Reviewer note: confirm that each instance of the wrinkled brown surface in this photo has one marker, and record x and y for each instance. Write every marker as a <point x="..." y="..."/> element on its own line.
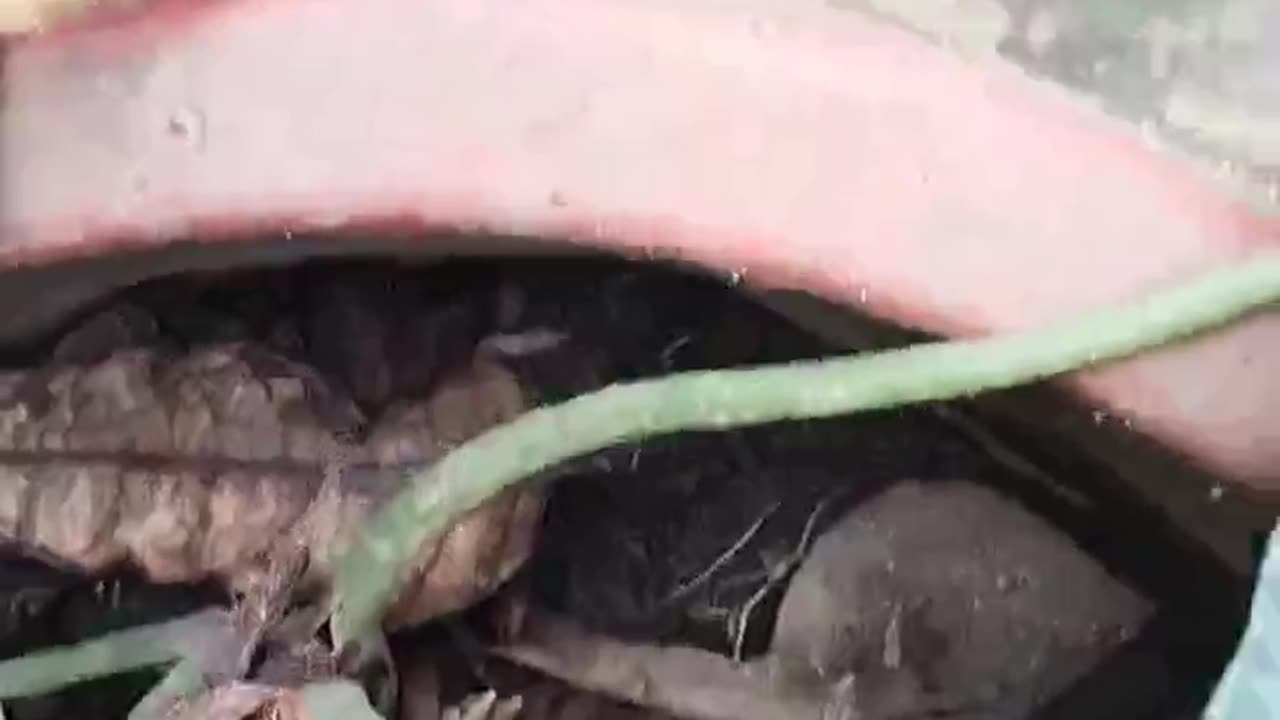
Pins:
<point x="200" y="465"/>
<point x="950" y="590"/>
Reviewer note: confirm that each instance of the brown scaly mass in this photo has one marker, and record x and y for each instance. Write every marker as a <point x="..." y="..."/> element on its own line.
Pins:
<point x="204" y="465"/>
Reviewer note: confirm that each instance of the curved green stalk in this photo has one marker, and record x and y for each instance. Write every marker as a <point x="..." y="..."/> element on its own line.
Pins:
<point x="367" y="575"/>
<point x="134" y="648"/>
<point x="184" y="681"/>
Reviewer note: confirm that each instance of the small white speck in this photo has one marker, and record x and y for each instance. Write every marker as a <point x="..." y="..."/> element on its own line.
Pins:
<point x="736" y="276"/>
<point x="862" y="294"/>
<point x="526" y="343"/>
<point x="1099" y="417"/>
<point x="1216" y="492"/>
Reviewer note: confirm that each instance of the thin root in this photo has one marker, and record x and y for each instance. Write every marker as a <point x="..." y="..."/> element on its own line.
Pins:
<point x="740" y="621"/>
<point x="685" y="589"/>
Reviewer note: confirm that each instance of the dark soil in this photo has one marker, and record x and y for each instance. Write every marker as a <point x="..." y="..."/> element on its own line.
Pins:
<point x="630" y="532"/>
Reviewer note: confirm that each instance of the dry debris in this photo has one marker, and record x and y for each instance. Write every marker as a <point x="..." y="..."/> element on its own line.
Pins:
<point x="205" y="465"/>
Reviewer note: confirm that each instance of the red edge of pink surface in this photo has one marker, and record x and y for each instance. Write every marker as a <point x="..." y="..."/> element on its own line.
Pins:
<point x="817" y="150"/>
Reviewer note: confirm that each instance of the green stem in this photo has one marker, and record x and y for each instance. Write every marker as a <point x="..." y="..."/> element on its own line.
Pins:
<point x="367" y="575"/>
<point x="122" y="651"/>
<point x="184" y="681"/>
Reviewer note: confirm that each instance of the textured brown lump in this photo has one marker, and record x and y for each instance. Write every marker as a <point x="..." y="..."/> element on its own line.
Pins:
<point x="197" y="466"/>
